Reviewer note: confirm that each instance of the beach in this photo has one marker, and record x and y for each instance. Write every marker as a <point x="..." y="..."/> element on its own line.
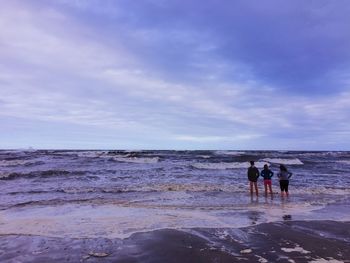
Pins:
<point x="171" y="206"/>
<point x="297" y="241"/>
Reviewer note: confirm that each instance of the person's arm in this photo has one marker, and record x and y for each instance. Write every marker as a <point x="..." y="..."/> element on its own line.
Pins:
<point x="271" y="173"/>
<point x="289" y="175"/>
<point x="257" y="173"/>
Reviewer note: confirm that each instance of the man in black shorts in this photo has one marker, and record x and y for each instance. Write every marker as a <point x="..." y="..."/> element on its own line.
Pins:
<point x="253" y="174"/>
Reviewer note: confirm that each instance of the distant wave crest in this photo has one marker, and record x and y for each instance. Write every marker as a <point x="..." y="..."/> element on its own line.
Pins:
<point x="5" y="163"/>
<point x="232" y="153"/>
<point x="137" y="159"/>
<point x="225" y="166"/>
<point x="294" y="161"/>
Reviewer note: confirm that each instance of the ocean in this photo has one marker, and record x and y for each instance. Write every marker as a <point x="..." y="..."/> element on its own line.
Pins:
<point x="114" y="194"/>
<point x="147" y="190"/>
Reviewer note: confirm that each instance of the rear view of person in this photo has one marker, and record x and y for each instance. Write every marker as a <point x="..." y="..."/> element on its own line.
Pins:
<point x="266" y="173"/>
<point x="253" y="174"/>
<point x="284" y="176"/>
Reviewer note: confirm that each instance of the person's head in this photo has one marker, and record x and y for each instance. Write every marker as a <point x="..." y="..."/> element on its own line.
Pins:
<point x="266" y="167"/>
<point x="283" y="168"/>
<point x="252" y="163"/>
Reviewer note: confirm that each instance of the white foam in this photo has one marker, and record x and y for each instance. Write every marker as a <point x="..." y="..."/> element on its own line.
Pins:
<point x="261" y="259"/>
<point x="225" y="166"/>
<point x="297" y="248"/>
<point x="316" y="190"/>
<point x="15" y="162"/>
<point x="343" y="161"/>
<point x="233" y="153"/>
<point x="128" y="157"/>
<point x="199" y="187"/>
<point x="4" y="175"/>
<point x="137" y="159"/>
<point x="112" y="221"/>
<point x="328" y="260"/>
<point x="204" y="156"/>
<point x="89" y="154"/>
<point x="159" y="211"/>
<point x="294" y="161"/>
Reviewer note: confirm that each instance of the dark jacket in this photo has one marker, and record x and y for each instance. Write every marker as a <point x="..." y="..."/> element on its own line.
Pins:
<point x="253" y="174"/>
<point x="266" y="174"/>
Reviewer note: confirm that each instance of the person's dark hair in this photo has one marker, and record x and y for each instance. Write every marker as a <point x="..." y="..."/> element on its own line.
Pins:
<point x="251" y="162"/>
<point x="266" y="166"/>
<point x="283" y="168"/>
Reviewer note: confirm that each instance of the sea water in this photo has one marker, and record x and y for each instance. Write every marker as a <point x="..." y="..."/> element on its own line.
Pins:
<point x="118" y="193"/>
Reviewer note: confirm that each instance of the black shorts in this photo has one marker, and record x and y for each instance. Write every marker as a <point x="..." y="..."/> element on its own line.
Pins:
<point x="284" y="185"/>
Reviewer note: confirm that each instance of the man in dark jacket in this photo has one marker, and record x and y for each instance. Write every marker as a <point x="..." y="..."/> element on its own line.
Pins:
<point x="253" y="174"/>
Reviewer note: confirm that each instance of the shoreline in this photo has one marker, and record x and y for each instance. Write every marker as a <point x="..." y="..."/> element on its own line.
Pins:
<point x="283" y="241"/>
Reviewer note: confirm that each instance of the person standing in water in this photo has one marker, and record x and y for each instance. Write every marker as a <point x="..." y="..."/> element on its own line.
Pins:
<point x="284" y="176"/>
<point x="266" y="173"/>
<point x="253" y="174"/>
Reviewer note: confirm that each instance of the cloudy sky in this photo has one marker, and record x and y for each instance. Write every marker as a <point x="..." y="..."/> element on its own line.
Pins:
<point x="182" y="74"/>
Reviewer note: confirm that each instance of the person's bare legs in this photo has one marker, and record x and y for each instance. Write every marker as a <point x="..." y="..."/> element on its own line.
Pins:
<point x="265" y="186"/>
<point x="270" y="187"/>
<point x="251" y="187"/>
<point x="256" y="188"/>
<point x="287" y="194"/>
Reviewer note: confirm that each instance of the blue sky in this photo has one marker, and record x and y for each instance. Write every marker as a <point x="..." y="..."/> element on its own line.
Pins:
<point x="157" y="74"/>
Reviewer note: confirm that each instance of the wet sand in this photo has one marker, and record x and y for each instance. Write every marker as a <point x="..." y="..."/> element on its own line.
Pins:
<point x="287" y="241"/>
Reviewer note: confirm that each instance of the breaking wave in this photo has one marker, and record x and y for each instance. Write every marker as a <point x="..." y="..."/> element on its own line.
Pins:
<point x="344" y="162"/>
<point x="145" y="160"/>
<point x="42" y="174"/>
<point x="232" y="153"/>
<point x="225" y="166"/>
<point x="5" y="163"/>
<point x="294" y="161"/>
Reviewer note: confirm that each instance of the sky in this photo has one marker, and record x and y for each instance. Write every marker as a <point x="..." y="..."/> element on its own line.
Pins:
<point x="181" y="74"/>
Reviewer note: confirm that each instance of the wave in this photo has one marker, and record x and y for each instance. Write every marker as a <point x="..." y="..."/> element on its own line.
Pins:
<point x="199" y="187"/>
<point x="120" y="156"/>
<point x="237" y="188"/>
<point x="322" y="154"/>
<point x="225" y="166"/>
<point x="55" y="201"/>
<point x="159" y="188"/>
<point x="320" y="190"/>
<point x="91" y="154"/>
<point x="5" y="163"/>
<point x="204" y="156"/>
<point x="42" y="174"/>
<point x="83" y="154"/>
<point x="343" y="162"/>
<point x="232" y="153"/>
<point x="294" y="161"/>
<point x="32" y="192"/>
<point x="144" y="160"/>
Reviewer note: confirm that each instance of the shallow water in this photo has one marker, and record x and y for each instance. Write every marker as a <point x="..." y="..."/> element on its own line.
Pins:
<point x="117" y="193"/>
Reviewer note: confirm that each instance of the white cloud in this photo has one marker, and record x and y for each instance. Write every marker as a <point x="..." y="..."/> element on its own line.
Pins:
<point x="49" y="62"/>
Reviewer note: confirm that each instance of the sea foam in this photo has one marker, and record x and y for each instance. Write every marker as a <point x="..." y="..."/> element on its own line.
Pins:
<point x="294" y="161"/>
<point x="145" y="160"/>
<point x="225" y="166"/>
